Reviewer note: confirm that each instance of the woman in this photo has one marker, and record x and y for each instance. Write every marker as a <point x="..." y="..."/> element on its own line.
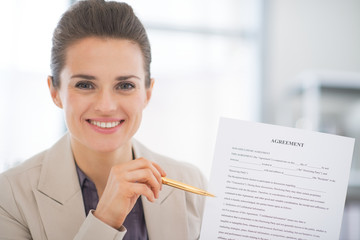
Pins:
<point x="97" y="182"/>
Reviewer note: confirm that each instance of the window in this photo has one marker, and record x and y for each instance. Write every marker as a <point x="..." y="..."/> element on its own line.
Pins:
<point x="205" y="64"/>
<point x="29" y="121"/>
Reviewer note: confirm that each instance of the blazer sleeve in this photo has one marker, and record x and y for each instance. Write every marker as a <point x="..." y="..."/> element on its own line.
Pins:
<point x="93" y="229"/>
<point x="12" y="225"/>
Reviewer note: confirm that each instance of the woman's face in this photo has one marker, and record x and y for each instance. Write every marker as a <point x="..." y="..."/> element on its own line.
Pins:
<point x="102" y="92"/>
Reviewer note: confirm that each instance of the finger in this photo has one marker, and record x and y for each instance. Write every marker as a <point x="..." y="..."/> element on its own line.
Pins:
<point x="143" y="189"/>
<point x="162" y="174"/>
<point x="131" y="169"/>
<point x="157" y="170"/>
<point x="140" y="163"/>
<point x="145" y="176"/>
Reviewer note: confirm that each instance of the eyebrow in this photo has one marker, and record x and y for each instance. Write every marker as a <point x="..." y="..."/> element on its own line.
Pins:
<point x="84" y="76"/>
<point x="90" y="77"/>
<point x="126" y="77"/>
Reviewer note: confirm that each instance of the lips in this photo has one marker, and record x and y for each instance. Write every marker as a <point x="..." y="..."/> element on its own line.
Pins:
<point x="105" y="124"/>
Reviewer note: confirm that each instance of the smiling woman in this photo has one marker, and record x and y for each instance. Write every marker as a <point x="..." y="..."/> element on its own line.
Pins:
<point x="108" y="87"/>
<point x="97" y="182"/>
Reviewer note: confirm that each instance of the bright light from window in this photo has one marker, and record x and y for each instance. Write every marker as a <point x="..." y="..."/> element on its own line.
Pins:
<point x="29" y="122"/>
<point x="205" y="65"/>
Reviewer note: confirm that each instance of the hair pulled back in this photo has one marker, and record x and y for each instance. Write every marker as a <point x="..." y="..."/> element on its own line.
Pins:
<point x="97" y="18"/>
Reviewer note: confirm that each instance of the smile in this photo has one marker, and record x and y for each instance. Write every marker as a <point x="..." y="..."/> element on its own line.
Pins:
<point x="105" y="124"/>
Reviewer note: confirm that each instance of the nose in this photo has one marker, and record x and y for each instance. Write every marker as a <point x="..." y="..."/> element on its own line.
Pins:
<point x="105" y="102"/>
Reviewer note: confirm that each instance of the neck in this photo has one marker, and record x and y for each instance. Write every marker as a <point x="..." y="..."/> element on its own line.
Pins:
<point x="97" y="165"/>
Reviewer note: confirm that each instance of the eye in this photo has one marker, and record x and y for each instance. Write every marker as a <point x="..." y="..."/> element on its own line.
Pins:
<point x="85" y="85"/>
<point x="125" y="86"/>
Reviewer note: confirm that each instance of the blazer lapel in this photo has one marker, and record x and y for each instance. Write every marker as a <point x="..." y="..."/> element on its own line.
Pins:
<point x="58" y="194"/>
<point x="165" y="218"/>
<point x="60" y="202"/>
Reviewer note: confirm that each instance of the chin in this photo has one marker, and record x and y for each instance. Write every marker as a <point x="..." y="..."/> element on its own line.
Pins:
<point x="103" y="148"/>
<point x="107" y="147"/>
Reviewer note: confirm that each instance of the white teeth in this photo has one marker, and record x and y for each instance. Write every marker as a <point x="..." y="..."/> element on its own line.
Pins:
<point x="104" y="124"/>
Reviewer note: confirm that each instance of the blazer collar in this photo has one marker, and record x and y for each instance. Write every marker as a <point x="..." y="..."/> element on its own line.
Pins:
<point x="58" y="179"/>
<point x="58" y="194"/>
<point x="59" y="197"/>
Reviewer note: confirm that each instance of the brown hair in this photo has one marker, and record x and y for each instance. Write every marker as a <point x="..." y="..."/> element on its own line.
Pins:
<point x="97" y="18"/>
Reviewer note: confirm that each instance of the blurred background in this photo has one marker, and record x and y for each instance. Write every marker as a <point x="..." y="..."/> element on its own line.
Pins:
<point x="291" y="63"/>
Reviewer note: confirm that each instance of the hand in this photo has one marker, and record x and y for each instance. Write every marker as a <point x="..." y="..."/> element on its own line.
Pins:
<point x="126" y="182"/>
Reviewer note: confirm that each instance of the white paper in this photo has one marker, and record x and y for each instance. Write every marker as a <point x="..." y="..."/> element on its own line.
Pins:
<point x="275" y="182"/>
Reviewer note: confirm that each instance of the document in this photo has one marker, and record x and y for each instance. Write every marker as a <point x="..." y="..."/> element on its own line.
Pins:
<point x="275" y="182"/>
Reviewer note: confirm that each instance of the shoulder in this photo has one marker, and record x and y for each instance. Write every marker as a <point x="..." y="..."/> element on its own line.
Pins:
<point x="19" y="174"/>
<point x="33" y="165"/>
<point x="29" y="171"/>
<point x="20" y="179"/>
<point x="16" y="187"/>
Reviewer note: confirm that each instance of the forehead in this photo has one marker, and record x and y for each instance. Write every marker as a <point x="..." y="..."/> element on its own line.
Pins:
<point x="93" y="53"/>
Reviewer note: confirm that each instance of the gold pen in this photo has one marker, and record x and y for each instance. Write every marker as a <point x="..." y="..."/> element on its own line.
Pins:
<point x="185" y="187"/>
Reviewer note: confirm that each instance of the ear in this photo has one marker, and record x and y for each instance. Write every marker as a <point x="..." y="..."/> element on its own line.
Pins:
<point x="149" y="91"/>
<point x="54" y="92"/>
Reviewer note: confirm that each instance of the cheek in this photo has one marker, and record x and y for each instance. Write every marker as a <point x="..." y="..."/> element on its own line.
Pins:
<point x="134" y="107"/>
<point x="74" y="105"/>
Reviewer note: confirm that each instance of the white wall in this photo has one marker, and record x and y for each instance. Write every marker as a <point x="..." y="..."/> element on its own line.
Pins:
<point x="307" y="35"/>
<point x="29" y="121"/>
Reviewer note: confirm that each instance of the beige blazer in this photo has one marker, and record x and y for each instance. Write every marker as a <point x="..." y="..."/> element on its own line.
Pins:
<point x="41" y="199"/>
